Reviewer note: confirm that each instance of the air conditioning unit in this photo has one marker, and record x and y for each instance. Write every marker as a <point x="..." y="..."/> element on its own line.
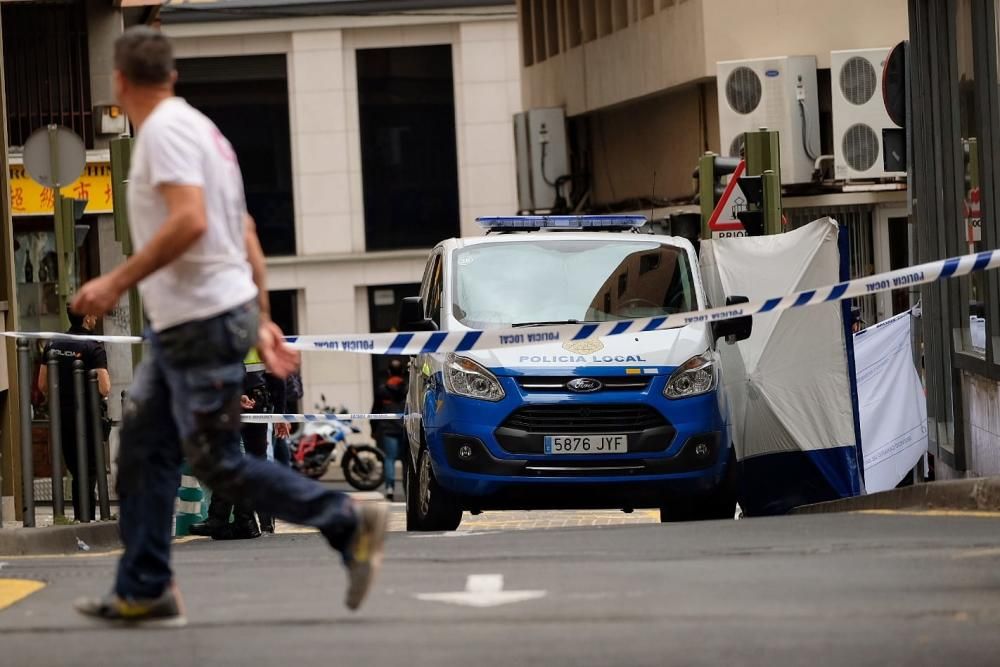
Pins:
<point x="859" y="114"/>
<point x="542" y="158"/>
<point x="774" y="93"/>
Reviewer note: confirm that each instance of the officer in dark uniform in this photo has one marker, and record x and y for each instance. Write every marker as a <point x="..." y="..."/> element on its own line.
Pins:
<point x="94" y="357"/>
<point x="256" y="399"/>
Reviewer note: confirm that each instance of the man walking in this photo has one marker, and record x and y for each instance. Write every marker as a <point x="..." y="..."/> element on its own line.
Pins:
<point x="201" y="272"/>
<point x="94" y="357"/>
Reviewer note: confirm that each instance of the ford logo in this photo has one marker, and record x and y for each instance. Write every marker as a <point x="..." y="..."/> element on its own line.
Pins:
<point x="584" y="385"/>
<point x="771" y="73"/>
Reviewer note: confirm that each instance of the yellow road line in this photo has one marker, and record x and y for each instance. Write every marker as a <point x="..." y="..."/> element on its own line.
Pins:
<point x="958" y="513"/>
<point x="15" y="590"/>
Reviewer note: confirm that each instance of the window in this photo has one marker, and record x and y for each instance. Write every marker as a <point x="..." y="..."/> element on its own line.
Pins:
<point x="383" y="316"/>
<point x="971" y="329"/>
<point x="47" y="68"/>
<point x="247" y="97"/>
<point x="574" y="30"/>
<point x="409" y="157"/>
<point x="501" y="284"/>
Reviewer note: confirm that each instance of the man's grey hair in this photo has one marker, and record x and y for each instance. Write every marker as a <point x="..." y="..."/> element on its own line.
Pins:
<point x="144" y="56"/>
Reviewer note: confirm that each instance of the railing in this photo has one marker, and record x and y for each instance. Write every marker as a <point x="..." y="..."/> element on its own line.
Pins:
<point x="86" y="397"/>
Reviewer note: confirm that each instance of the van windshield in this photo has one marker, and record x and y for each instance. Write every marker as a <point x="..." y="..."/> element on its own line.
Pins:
<point x="502" y="284"/>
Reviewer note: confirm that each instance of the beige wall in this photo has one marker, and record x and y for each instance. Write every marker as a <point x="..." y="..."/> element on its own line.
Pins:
<point x="652" y="54"/>
<point x="665" y="134"/>
<point x="682" y="40"/>
<point x="799" y="27"/>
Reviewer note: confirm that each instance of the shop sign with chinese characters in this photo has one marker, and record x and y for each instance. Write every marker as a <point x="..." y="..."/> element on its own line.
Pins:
<point x="29" y="198"/>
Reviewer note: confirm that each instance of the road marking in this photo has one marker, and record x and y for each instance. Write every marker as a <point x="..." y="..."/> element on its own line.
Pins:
<point x="466" y="533"/>
<point x="482" y="590"/>
<point x="15" y="590"/>
<point x="968" y="513"/>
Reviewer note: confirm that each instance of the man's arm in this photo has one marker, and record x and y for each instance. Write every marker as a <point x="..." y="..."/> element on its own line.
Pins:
<point x="185" y="224"/>
<point x="103" y="382"/>
<point x="255" y="255"/>
<point x="43" y="379"/>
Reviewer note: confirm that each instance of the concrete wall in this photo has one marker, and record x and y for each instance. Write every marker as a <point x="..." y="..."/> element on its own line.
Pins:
<point x="981" y="397"/>
<point x="799" y="27"/>
<point x="104" y="25"/>
<point x="665" y="134"/>
<point x="639" y="83"/>
<point x="332" y="270"/>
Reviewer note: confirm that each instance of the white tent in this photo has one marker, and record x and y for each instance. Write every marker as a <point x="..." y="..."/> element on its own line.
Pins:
<point x="789" y="384"/>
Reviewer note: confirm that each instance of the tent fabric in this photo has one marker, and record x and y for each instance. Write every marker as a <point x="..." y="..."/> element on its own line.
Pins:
<point x="789" y="385"/>
<point x="892" y="403"/>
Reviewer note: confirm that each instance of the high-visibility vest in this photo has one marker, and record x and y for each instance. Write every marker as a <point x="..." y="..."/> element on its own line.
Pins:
<point x="253" y="363"/>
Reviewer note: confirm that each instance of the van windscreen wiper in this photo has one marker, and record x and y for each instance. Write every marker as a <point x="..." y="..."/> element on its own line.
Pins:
<point x="548" y="324"/>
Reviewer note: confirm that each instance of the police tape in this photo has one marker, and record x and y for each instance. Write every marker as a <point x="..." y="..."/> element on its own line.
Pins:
<point x="277" y="418"/>
<point x="411" y="343"/>
<point x="430" y="342"/>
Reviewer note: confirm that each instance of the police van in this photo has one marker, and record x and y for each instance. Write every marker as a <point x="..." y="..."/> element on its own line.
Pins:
<point x="625" y="421"/>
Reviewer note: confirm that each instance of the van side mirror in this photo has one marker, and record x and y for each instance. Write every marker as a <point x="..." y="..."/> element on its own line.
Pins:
<point x="412" y="316"/>
<point x="736" y="329"/>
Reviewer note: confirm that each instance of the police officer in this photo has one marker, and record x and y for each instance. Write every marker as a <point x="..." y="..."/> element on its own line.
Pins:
<point x="94" y="357"/>
<point x="256" y="399"/>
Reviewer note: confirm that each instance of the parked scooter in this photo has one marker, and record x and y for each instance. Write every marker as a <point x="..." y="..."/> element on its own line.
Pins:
<point x="320" y="443"/>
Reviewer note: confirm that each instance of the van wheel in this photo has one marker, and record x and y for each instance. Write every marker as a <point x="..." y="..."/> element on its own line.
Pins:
<point x="718" y="504"/>
<point x="429" y="507"/>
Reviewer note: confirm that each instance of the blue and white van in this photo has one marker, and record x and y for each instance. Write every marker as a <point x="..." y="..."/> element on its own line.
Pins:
<point x="622" y="421"/>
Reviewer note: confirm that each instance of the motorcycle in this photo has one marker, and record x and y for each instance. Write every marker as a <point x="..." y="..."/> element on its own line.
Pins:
<point x="320" y="443"/>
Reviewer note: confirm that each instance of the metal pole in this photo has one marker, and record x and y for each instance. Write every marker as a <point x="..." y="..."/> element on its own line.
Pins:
<point x="63" y="244"/>
<point x="55" y="436"/>
<point x="27" y="456"/>
<point x="101" y="464"/>
<point x="82" y="481"/>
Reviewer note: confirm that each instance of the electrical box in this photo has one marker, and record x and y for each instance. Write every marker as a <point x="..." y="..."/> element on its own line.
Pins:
<point x="110" y="120"/>
<point x="860" y="116"/>
<point x="542" y="159"/>
<point x="778" y="94"/>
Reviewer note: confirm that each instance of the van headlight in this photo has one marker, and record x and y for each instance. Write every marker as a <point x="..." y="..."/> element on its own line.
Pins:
<point x="464" y="377"/>
<point x="695" y="376"/>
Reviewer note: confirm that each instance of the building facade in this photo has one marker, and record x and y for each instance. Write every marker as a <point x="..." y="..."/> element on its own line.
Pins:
<point x="956" y="199"/>
<point x="367" y="133"/>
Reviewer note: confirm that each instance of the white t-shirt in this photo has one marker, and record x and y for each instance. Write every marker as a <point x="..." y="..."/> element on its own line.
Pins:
<point x="178" y="145"/>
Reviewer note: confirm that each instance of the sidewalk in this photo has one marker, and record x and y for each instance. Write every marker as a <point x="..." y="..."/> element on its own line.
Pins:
<point x="981" y="494"/>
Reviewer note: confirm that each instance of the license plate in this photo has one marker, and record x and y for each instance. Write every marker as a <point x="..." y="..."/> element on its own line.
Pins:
<point x="586" y="444"/>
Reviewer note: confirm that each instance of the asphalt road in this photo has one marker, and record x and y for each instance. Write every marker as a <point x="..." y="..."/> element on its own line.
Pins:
<point x="807" y="590"/>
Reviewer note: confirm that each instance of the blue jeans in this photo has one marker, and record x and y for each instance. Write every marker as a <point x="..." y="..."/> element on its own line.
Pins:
<point x="186" y="397"/>
<point x="389" y="444"/>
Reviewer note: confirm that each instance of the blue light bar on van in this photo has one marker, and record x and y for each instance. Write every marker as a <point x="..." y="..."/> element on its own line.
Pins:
<point x="514" y="222"/>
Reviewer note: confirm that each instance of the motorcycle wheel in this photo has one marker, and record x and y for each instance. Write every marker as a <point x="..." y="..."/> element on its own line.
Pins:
<point x="364" y="467"/>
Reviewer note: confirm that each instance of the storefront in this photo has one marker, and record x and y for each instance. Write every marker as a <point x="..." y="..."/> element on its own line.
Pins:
<point x="35" y="261"/>
<point x="955" y="125"/>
